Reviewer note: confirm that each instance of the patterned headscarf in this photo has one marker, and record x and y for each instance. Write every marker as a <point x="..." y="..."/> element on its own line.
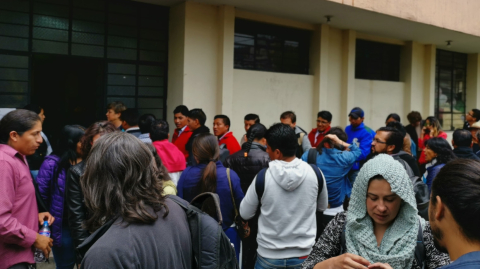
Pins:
<point x="398" y="244"/>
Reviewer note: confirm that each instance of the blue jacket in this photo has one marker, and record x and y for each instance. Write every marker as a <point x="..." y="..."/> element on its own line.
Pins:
<point x="335" y="165"/>
<point x="53" y="193"/>
<point x="432" y="172"/>
<point x="188" y="188"/>
<point x="364" y="137"/>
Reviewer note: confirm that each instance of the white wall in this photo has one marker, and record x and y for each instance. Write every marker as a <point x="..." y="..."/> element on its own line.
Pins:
<point x="268" y="95"/>
<point x="378" y="99"/>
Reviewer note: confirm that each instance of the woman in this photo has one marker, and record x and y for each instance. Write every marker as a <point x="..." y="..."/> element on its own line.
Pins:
<point x="209" y="175"/>
<point x="247" y="163"/>
<point x="137" y="226"/>
<point x="169" y="187"/>
<point x="431" y="129"/>
<point x="437" y="153"/>
<point x="77" y="212"/>
<point x="335" y="157"/>
<point x="381" y="226"/>
<point x="51" y="183"/>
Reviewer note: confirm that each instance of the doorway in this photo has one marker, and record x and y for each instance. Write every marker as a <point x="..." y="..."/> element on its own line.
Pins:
<point x="70" y="89"/>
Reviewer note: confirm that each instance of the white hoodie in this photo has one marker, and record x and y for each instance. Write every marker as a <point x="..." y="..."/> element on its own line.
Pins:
<point x="287" y="225"/>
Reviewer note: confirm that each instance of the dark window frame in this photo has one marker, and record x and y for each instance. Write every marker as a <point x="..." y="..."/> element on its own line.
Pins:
<point x="270" y="50"/>
<point x="377" y="61"/>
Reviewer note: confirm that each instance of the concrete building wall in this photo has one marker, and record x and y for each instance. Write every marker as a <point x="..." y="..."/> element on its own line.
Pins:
<point x="454" y="15"/>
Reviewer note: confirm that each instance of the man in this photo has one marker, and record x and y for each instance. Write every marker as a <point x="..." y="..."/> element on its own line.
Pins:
<point x="474" y="128"/>
<point x="129" y="118"/>
<point x="221" y="129"/>
<point x="170" y="155"/>
<point x="462" y="145"/>
<point x="471" y="117"/>
<point x="145" y="123"/>
<point x="20" y="135"/>
<point x="114" y="110"/>
<point x="287" y="224"/>
<point x="358" y="133"/>
<point x="248" y="121"/>
<point x="196" y="123"/>
<point x="454" y="213"/>
<point x="324" y="119"/>
<point x="390" y="141"/>
<point x="289" y="118"/>
<point x="182" y="132"/>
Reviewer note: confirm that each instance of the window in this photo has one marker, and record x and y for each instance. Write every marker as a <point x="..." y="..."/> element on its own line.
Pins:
<point x="377" y="61"/>
<point x="450" y="88"/>
<point x="266" y="47"/>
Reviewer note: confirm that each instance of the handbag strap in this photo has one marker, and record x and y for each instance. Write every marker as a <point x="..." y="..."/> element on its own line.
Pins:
<point x="231" y="191"/>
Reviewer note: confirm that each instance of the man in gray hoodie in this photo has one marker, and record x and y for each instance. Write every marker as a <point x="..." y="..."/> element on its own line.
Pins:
<point x="287" y="225"/>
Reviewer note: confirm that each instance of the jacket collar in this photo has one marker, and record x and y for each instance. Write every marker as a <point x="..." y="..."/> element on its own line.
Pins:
<point x="201" y="129"/>
<point x="361" y="126"/>
<point x="93" y="238"/>
<point x="13" y="152"/>
<point x="254" y="145"/>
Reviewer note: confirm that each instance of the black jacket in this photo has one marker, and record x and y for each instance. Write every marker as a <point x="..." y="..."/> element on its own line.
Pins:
<point x="191" y="160"/>
<point x="75" y="205"/>
<point x="247" y="168"/>
<point x="465" y="153"/>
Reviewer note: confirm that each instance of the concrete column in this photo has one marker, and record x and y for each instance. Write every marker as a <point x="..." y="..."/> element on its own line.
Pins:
<point x="413" y="75"/>
<point x="429" y="81"/>
<point x="319" y="66"/>
<point x="473" y="82"/>
<point x="348" y="74"/>
<point x="225" y="59"/>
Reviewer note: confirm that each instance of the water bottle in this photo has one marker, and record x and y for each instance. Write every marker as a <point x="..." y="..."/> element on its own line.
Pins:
<point x="45" y="231"/>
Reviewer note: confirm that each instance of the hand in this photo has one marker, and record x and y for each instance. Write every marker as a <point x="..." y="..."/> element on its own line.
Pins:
<point x="44" y="244"/>
<point x="349" y="260"/>
<point x="45" y="216"/>
<point x="379" y="265"/>
<point x="333" y="137"/>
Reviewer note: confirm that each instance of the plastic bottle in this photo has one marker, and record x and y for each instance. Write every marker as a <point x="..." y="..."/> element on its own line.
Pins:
<point x="45" y="231"/>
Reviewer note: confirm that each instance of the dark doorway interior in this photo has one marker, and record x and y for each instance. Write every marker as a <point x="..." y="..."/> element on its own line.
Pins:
<point x="70" y="89"/>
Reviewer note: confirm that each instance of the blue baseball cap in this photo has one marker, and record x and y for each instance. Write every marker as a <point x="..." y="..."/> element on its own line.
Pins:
<point x="356" y="113"/>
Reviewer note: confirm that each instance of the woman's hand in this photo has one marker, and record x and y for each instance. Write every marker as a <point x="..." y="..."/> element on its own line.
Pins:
<point x="379" y="265"/>
<point x="333" y="137"/>
<point x="349" y="260"/>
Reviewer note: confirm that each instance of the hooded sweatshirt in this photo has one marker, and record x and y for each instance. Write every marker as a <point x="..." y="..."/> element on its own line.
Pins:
<point x="287" y="225"/>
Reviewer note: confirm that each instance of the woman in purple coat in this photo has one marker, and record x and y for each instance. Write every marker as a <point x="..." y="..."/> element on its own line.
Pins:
<point x="51" y="183"/>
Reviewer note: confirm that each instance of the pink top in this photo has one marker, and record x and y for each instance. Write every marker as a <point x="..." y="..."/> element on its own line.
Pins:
<point x="18" y="209"/>
<point x="171" y="156"/>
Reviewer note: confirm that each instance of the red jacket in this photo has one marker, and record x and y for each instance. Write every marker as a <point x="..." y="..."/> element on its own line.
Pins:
<point x="230" y="141"/>
<point x="171" y="156"/>
<point x="181" y="141"/>
<point x="313" y="132"/>
<point x="421" y="145"/>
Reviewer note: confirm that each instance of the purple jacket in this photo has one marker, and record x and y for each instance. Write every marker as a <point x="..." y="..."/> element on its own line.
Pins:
<point x="53" y="193"/>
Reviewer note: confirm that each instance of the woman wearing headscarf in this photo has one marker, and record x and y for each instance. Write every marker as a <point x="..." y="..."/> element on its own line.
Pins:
<point x="381" y="226"/>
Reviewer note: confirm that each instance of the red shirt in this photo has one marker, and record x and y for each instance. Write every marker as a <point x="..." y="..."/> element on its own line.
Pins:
<point x="171" y="156"/>
<point x="421" y="145"/>
<point x="181" y="140"/>
<point x="18" y="209"/>
<point x="230" y="141"/>
<point x="321" y="135"/>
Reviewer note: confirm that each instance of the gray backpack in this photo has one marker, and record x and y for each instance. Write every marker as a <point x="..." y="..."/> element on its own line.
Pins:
<point x="211" y="246"/>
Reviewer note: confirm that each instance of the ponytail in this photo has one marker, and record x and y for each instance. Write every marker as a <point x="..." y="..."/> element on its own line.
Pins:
<point x="249" y="143"/>
<point x="206" y="151"/>
<point x="256" y="131"/>
<point x="208" y="182"/>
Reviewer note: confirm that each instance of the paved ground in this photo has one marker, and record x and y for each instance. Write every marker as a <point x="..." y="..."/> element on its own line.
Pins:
<point x="44" y="265"/>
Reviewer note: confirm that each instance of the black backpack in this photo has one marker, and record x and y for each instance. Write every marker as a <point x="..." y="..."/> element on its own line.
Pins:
<point x="422" y="195"/>
<point x="211" y="246"/>
<point x="420" y="254"/>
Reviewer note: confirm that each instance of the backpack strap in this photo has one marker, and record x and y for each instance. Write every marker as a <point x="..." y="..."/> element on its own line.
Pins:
<point x="312" y="156"/>
<point x="231" y="192"/>
<point x="319" y="175"/>
<point x="260" y="184"/>
<point x="420" y="253"/>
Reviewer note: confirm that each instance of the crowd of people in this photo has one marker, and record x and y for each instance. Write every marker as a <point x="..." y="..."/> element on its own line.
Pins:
<point x="397" y="197"/>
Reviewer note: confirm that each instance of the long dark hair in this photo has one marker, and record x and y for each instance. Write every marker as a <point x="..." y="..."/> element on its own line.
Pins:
<point x="66" y="148"/>
<point x="205" y="149"/>
<point x="99" y="127"/>
<point x="339" y="133"/>
<point x="256" y="131"/>
<point x="437" y="128"/>
<point x="121" y="179"/>
<point x="441" y="147"/>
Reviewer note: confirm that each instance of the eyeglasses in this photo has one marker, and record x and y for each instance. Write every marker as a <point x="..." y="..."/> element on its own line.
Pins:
<point x="322" y="122"/>
<point x="378" y="141"/>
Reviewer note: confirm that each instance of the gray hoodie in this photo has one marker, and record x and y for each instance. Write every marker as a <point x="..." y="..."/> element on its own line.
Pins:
<point x="286" y="226"/>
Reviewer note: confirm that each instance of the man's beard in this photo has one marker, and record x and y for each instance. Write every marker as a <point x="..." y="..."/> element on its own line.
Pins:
<point x="437" y="236"/>
<point x="375" y="153"/>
